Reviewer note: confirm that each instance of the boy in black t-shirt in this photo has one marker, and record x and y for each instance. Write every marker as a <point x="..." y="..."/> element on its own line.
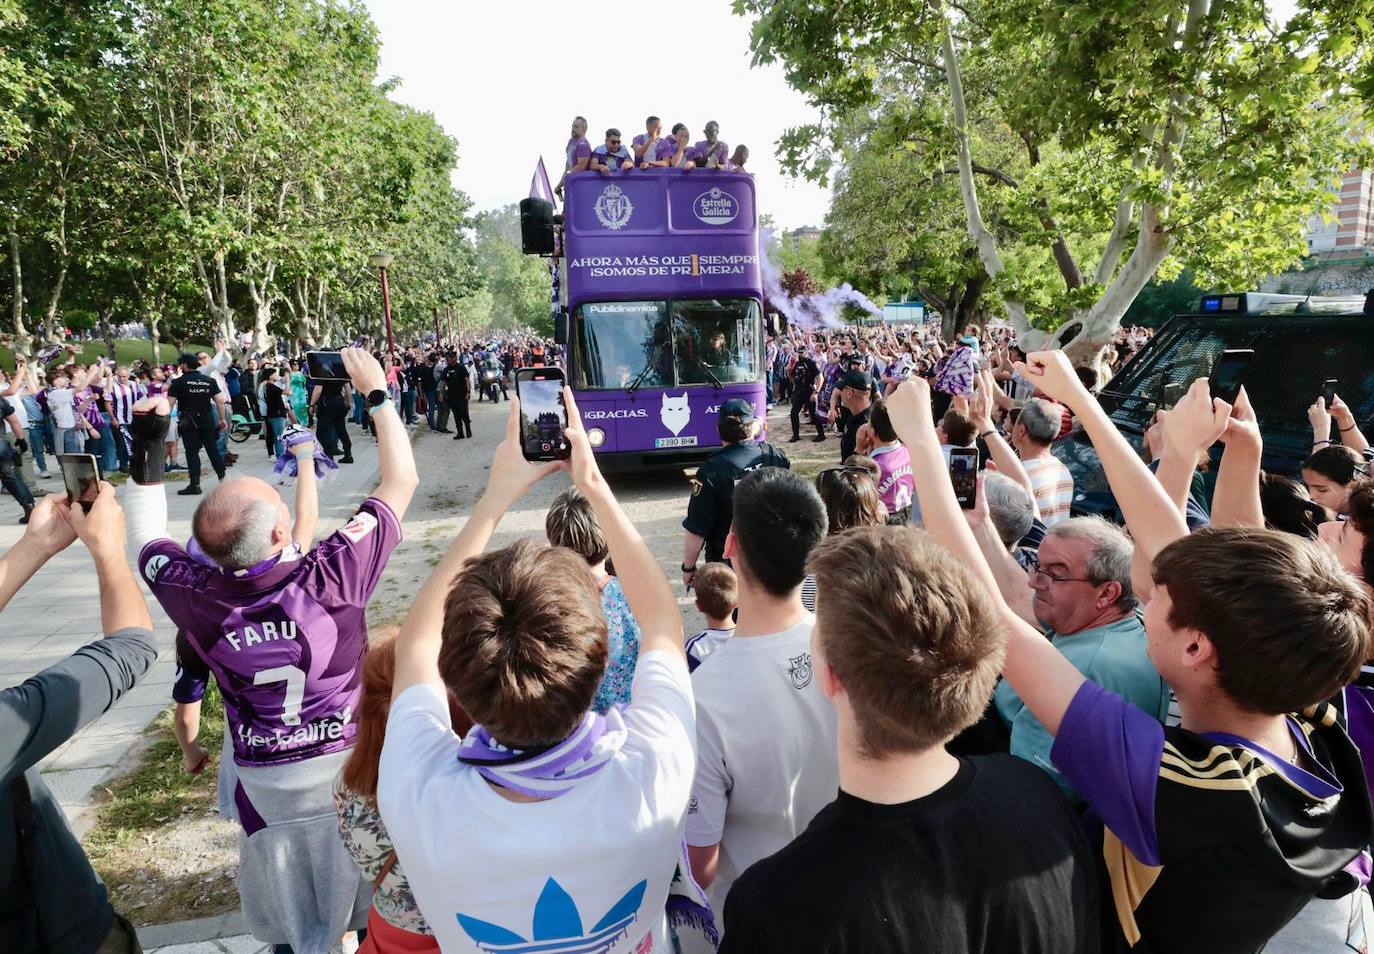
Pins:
<point x="921" y="851"/>
<point x="1219" y="831"/>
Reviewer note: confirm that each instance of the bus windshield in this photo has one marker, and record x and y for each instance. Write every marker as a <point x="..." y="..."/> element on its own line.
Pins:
<point x="680" y="342"/>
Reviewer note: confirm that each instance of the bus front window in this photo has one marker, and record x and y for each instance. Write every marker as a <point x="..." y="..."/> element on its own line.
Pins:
<point x="624" y="343"/>
<point x="716" y="341"/>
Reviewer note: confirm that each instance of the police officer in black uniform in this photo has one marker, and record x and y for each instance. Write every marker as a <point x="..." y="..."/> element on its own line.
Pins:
<point x="711" y="508"/>
<point x="806" y="384"/>
<point x="192" y="394"/>
<point x="458" y="387"/>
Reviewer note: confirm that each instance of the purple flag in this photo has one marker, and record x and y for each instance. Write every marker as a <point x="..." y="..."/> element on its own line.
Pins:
<point x="539" y="183"/>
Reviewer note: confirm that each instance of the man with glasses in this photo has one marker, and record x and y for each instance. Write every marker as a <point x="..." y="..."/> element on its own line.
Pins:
<point x="1079" y="592"/>
<point x="612" y="155"/>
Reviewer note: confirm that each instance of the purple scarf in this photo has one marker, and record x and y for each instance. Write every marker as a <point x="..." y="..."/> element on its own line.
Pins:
<point x="287" y="467"/>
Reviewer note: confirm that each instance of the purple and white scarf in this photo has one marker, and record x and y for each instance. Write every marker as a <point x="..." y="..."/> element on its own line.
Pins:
<point x="288" y="469"/>
<point x="555" y="770"/>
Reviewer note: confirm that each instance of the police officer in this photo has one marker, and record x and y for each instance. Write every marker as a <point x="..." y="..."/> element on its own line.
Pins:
<point x="193" y="394"/>
<point x="711" y="508"/>
<point x="806" y="384"/>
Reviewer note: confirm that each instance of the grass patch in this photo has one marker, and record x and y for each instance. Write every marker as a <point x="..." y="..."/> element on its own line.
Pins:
<point x="139" y="845"/>
<point x="126" y="351"/>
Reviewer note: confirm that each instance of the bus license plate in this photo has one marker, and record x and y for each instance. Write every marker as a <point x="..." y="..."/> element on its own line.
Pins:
<point x="688" y="441"/>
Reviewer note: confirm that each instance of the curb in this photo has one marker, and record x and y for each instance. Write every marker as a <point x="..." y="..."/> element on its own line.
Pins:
<point x="190" y="932"/>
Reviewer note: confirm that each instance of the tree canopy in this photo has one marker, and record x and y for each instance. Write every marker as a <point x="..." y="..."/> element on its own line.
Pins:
<point x="218" y="168"/>
<point x="1092" y="146"/>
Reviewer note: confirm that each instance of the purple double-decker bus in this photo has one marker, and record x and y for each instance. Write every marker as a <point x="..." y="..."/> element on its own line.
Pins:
<point x="663" y="310"/>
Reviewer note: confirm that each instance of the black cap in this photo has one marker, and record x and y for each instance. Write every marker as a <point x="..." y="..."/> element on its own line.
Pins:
<point x="187" y="358"/>
<point x="738" y="407"/>
<point x="858" y="380"/>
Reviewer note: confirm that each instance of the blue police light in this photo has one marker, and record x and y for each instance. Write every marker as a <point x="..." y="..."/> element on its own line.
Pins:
<point x="1211" y="303"/>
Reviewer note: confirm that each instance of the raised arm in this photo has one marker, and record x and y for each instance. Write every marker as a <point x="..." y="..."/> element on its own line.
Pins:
<point x="399" y="477"/>
<point x="144" y="495"/>
<point x="1044" y="679"/>
<point x="1151" y="516"/>
<point x="980" y="410"/>
<point x="1345" y="425"/>
<point x="417" y="644"/>
<point x="46" y="535"/>
<point x="646" y="588"/>
<point x="1236" y="500"/>
<point x="307" y="495"/>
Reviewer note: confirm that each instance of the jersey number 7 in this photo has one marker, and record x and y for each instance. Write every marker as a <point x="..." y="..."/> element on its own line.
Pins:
<point x="295" y="689"/>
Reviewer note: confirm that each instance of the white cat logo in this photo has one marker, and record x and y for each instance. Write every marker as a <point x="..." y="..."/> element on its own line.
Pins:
<point x="613" y="208"/>
<point x="675" y="413"/>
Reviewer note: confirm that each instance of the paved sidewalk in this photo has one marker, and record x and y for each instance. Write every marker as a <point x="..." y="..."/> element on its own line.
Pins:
<point x="58" y="612"/>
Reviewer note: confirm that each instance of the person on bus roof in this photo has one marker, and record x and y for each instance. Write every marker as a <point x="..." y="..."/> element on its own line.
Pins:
<point x="578" y="152"/>
<point x="612" y="155"/>
<point x="712" y="153"/>
<point x="675" y="153"/>
<point x="646" y="142"/>
<point x="737" y="161"/>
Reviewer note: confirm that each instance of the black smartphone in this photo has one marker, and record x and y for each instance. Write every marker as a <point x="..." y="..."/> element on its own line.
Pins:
<point x="81" y="474"/>
<point x="1329" y="390"/>
<point x="325" y="366"/>
<point x="543" y="415"/>
<point x="1172" y="392"/>
<point x="963" y="473"/>
<point x="1228" y="373"/>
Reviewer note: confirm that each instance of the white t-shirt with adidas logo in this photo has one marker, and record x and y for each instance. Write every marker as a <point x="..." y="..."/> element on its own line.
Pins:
<point x="765" y="750"/>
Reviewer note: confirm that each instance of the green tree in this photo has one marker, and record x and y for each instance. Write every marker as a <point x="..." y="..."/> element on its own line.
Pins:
<point x="1152" y="134"/>
<point x="519" y="284"/>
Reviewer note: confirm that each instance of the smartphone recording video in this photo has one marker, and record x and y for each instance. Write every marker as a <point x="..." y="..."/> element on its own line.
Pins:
<point x="543" y="415"/>
<point x="325" y="366"/>
<point x="963" y="473"/>
<point x="1228" y="373"/>
<point x="81" y="474"/>
<point x="1329" y="387"/>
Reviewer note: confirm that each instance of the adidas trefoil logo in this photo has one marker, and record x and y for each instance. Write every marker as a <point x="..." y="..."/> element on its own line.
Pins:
<point x="558" y="926"/>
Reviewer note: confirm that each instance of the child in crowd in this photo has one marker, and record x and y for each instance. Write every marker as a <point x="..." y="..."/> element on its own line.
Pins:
<point x="571" y="523"/>
<point x="717" y="593"/>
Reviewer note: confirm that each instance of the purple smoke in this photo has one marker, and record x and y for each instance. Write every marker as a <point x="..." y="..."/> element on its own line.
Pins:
<point x="807" y="311"/>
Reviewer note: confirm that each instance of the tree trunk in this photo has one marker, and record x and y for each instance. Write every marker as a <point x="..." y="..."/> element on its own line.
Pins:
<point x="22" y="340"/>
<point x="107" y="332"/>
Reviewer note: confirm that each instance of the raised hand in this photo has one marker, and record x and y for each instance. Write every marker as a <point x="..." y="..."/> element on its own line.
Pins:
<point x="1196" y="422"/>
<point x="1242" y="428"/>
<point x="363" y="370"/>
<point x="909" y="409"/>
<point x="1320" y="417"/>
<point x="1053" y="374"/>
<point x="48" y="531"/>
<point x="511" y="475"/>
<point x="582" y="466"/>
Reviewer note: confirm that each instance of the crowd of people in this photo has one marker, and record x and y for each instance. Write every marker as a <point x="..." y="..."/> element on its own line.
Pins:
<point x="917" y="718"/>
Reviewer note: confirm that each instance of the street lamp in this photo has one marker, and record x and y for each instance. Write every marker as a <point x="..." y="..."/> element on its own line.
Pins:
<point x="382" y="261"/>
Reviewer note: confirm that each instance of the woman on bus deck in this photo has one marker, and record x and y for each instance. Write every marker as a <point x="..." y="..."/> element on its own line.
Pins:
<point x="673" y="152"/>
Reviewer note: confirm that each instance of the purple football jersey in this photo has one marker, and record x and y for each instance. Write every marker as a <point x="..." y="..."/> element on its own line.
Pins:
<point x="666" y="149"/>
<point x="286" y="644"/>
<point x="705" y="151"/>
<point x="575" y="150"/>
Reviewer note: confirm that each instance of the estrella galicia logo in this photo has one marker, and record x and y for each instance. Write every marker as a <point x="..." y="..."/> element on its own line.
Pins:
<point x="613" y="208"/>
<point x="558" y="926"/>
<point x="799" y="668"/>
<point x="716" y="207"/>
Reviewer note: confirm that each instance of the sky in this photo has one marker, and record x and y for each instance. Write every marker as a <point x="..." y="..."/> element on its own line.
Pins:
<point x="506" y="78"/>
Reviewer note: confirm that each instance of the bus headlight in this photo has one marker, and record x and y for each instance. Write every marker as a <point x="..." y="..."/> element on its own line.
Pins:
<point x="596" y="437"/>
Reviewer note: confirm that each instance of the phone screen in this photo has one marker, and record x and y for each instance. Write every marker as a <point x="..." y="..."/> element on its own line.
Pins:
<point x="82" y="477"/>
<point x="543" y="416"/>
<point x="1172" y="392"/>
<point x="1329" y="391"/>
<point x="325" y="366"/>
<point x="963" y="473"/>
<point x="1228" y="374"/>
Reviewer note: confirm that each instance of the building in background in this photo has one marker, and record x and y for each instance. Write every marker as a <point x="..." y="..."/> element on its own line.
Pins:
<point x="796" y="238"/>
<point x="1350" y="231"/>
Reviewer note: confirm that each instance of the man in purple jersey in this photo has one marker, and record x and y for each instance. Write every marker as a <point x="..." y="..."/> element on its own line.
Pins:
<point x="283" y="632"/>
<point x="646" y="142"/>
<point x="578" y="152"/>
<point x="712" y="152"/>
<point x="674" y="152"/>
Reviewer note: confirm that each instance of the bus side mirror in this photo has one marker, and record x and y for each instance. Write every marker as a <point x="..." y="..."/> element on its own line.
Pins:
<point x="560" y="326"/>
